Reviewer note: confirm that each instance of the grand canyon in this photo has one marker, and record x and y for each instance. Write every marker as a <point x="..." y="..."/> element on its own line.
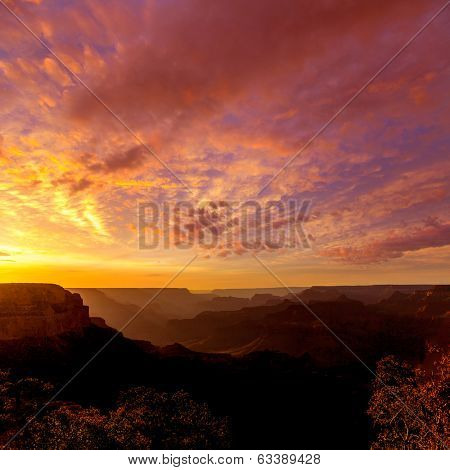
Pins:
<point x="225" y="225"/>
<point x="249" y="360"/>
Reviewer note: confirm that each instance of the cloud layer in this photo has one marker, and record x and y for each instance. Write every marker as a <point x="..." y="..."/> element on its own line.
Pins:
<point x="225" y="93"/>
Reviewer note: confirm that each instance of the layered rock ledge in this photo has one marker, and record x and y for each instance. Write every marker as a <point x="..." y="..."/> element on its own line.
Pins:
<point x="40" y="310"/>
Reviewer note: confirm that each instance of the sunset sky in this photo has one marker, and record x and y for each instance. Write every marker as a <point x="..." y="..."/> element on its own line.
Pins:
<point x="225" y="92"/>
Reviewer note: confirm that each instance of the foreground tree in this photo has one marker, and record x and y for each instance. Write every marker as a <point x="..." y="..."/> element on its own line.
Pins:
<point x="20" y="398"/>
<point x="147" y="419"/>
<point x="66" y="426"/>
<point x="142" y="419"/>
<point x="408" y="407"/>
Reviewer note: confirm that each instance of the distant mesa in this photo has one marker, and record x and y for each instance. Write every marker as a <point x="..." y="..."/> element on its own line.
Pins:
<point x="248" y="293"/>
<point x="431" y="303"/>
<point x="366" y="294"/>
<point x="39" y="311"/>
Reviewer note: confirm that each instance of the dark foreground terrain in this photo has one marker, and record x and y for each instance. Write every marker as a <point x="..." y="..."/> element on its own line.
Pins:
<point x="314" y="394"/>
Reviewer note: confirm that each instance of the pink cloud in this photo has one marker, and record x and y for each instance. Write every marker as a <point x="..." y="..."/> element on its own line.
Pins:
<point x="226" y="92"/>
<point x="394" y="245"/>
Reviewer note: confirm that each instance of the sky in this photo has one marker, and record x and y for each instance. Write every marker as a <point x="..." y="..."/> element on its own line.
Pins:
<point x="224" y="93"/>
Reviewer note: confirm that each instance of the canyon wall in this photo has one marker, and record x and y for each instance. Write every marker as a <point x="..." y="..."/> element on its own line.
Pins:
<point x="39" y="310"/>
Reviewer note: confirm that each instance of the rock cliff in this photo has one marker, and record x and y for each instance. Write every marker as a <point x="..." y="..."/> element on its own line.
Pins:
<point x="39" y="310"/>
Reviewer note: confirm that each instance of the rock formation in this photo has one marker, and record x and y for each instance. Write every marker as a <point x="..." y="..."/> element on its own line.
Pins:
<point x="39" y="310"/>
